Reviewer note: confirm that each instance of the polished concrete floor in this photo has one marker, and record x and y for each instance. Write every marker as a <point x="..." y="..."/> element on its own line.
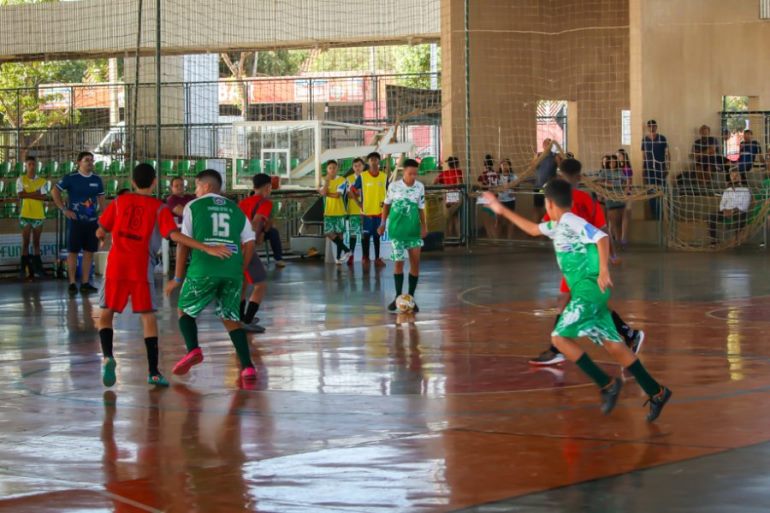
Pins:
<point x="361" y="411"/>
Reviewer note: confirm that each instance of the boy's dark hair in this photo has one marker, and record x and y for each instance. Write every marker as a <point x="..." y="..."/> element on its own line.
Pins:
<point x="359" y="159"/>
<point x="332" y="161"/>
<point x="211" y="176"/>
<point x="30" y="159"/>
<point x="374" y="155"/>
<point x="571" y="167"/>
<point x="84" y="154"/>
<point x="559" y="191"/>
<point x="488" y="161"/>
<point x="452" y="162"/>
<point x="177" y="178"/>
<point x="260" y="180"/>
<point x="143" y="175"/>
<point x="122" y="191"/>
<point x="410" y="163"/>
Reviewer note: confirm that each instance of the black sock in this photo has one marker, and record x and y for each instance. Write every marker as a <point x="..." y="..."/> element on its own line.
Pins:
<point x="241" y="345"/>
<point x="353" y="241"/>
<point x="554" y="349"/>
<point x="365" y="245"/>
<point x="243" y="308"/>
<point x="376" y="246"/>
<point x="593" y="371"/>
<point x="624" y="329"/>
<point x="189" y="329"/>
<point x="648" y="384"/>
<point x="412" y="284"/>
<point x="151" y="343"/>
<point x="251" y="311"/>
<point x="105" y="337"/>
<point x="399" y="279"/>
<point x="340" y="245"/>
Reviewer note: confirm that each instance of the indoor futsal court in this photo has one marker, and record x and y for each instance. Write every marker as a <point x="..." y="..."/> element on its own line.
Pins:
<point x="357" y="256"/>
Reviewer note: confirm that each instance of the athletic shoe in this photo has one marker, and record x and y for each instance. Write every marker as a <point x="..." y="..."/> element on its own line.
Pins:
<point x="416" y="309"/>
<point x="366" y="262"/>
<point x="248" y="379"/>
<point x="350" y="261"/>
<point x="72" y="289"/>
<point x="184" y="365"/>
<point x="280" y="263"/>
<point x="392" y="307"/>
<point x="657" y="403"/>
<point x="379" y="263"/>
<point x="157" y="379"/>
<point x="344" y="257"/>
<point x="547" y="357"/>
<point x="108" y="372"/>
<point x="87" y="288"/>
<point x="610" y="395"/>
<point x="637" y="341"/>
<point x="253" y="327"/>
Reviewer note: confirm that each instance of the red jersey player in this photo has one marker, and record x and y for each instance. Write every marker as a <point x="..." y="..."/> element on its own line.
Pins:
<point x="137" y="223"/>
<point x="584" y="206"/>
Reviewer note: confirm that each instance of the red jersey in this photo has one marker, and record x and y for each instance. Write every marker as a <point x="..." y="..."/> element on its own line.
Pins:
<point x="585" y="207"/>
<point x="256" y="205"/>
<point x="450" y="177"/>
<point x="137" y="223"/>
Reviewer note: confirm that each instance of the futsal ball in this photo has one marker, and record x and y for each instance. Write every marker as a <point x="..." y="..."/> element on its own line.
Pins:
<point x="404" y="303"/>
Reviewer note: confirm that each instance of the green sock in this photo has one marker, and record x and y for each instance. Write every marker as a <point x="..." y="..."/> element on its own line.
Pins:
<point x="647" y="382"/>
<point x="189" y="330"/>
<point x="413" y="284"/>
<point x="399" y="279"/>
<point x="241" y="347"/>
<point x="593" y="371"/>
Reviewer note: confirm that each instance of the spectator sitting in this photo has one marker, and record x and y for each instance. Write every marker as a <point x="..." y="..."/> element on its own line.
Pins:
<point x="488" y="179"/>
<point x="506" y="195"/>
<point x="656" y="162"/>
<point x="734" y="206"/>
<point x="452" y="199"/>
<point x="749" y="150"/>
<point x="178" y="199"/>
<point x="617" y="183"/>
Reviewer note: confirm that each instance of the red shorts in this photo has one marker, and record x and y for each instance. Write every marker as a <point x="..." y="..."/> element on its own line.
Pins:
<point x="115" y="294"/>
<point x="563" y="288"/>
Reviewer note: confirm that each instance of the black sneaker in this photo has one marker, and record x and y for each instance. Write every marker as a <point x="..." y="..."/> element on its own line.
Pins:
<point x="547" y="357"/>
<point x="416" y="309"/>
<point x="73" y="289"/>
<point x="635" y="344"/>
<point x="392" y="306"/>
<point x="610" y="395"/>
<point x="253" y="328"/>
<point x="87" y="288"/>
<point x="657" y="403"/>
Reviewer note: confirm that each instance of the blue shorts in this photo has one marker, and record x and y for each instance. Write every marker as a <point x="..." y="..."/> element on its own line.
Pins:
<point x="82" y="237"/>
<point x="371" y="223"/>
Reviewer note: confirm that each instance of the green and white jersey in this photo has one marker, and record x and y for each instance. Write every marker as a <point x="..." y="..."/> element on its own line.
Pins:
<point x="212" y="220"/>
<point x="405" y="205"/>
<point x="574" y="240"/>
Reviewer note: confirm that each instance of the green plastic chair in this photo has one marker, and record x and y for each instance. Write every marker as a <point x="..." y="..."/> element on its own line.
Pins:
<point x="10" y="189"/>
<point x="200" y="165"/>
<point x="240" y="167"/>
<point x="296" y="162"/>
<point x="11" y="210"/>
<point x="255" y="166"/>
<point x="183" y="167"/>
<point x="99" y="167"/>
<point x="5" y="169"/>
<point x="66" y="168"/>
<point x="427" y="164"/>
<point x="18" y="169"/>
<point x="166" y="167"/>
<point x="115" y="169"/>
<point x="345" y="165"/>
<point x="111" y="188"/>
<point x="51" y="169"/>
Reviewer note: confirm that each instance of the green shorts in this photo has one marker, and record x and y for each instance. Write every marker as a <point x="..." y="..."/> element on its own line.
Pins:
<point x="583" y="318"/>
<point x="399" y="250"/>
<point x="334" y="224"/>
<point x="354" y="226"/>
<point x="34" y="223"/>
<point x="197" y="293"/>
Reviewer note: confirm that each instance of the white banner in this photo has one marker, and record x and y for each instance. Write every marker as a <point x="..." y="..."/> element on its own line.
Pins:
<point x="10" y="248"/>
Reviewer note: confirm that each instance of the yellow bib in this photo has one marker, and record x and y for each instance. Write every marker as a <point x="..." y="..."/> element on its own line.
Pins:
<point x="373" y="190"/>
<point x="335" y="206"/>
<point x="353" y="208"/>
<point x="32" y="208"/>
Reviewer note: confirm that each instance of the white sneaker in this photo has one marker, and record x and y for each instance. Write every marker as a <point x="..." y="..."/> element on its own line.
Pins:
<point x="343" y="257"/>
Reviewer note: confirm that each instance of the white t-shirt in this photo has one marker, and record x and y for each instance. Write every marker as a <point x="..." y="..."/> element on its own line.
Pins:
<point x="507" y="195"/>
<point x="739" y="197"/>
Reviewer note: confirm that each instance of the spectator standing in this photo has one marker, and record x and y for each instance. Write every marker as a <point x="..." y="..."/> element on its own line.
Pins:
<point x="85" y="199"/>
<point x="178" y="199"/>
<point x="453" y="175"/>
<point x="624" y="163"/>
<point x="506" y="195"/>
<point x="749" y="150"/>
<point x="656" y="160"/>
<point x="32" y="191"/>
<point x="488" y="179"/>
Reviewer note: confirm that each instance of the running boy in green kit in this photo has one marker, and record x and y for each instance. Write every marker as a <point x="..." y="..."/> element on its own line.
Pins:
<point x="582" y="252"/>
<point x="404" y="214"/>
<point x="213" y="219"/>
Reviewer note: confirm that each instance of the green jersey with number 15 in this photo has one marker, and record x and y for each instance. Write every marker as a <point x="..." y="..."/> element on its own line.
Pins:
<point x="212" y="220"/>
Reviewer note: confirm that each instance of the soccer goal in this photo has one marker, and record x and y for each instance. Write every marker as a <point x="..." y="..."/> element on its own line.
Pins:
<point x="297" y="150"/>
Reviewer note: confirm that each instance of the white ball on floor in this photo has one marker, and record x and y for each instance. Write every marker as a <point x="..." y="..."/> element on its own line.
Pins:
<point x="405" y="303"/>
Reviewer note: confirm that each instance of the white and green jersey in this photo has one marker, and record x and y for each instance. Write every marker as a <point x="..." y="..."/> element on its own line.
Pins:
<point x="212" y="220"/>
<point x="405" y="205"/>
<point x="574" y="240"/>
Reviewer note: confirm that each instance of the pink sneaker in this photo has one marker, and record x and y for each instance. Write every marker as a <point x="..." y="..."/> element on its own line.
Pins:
<point x="184" y="365"/>
<point x="248" y="379"/>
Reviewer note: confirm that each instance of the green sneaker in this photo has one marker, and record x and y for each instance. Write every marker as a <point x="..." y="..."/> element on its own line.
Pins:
<point x="108" y="372"/>
<point x="158" y="380"/>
